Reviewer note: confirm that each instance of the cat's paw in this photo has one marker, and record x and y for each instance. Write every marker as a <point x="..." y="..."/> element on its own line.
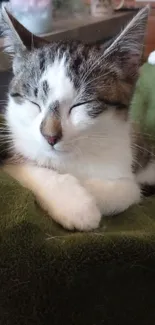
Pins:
<point x="73" y="207"/>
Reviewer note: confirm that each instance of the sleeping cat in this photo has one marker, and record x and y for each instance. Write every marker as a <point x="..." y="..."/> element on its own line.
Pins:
<point x="68" y="127"/>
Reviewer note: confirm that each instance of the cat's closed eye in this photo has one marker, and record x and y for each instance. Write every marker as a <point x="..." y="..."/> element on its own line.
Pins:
<point x="15" y="95"/>
<point x="99" y="101"/>
<point x="80" y="104"/>
<point x="35" y="104"/>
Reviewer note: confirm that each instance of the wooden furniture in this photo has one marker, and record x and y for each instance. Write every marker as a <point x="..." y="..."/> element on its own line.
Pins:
<point x="88" y="29"/>
<point x="91" y="29"/>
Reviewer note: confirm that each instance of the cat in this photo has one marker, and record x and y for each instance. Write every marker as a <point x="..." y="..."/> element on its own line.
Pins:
<point x="68" y="123"/>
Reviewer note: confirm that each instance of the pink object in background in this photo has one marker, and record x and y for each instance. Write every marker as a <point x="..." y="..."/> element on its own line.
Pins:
<point x="35" y="15"/>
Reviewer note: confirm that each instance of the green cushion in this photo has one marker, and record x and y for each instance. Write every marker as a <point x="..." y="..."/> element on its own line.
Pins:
<point x="49" y="276"/>
<point x="143" y="102"/>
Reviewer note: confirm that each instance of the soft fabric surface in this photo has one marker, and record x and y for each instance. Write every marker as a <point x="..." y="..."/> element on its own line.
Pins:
<point x="143" y="103"/>
<point x="49" y="276"/>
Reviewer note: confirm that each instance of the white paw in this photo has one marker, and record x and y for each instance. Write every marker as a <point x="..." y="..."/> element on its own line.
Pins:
<point x="151" y="58"/>
<point x="72" y="206"/>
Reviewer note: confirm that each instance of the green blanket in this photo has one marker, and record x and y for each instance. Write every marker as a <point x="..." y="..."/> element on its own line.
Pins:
<point x="49" y="276"/>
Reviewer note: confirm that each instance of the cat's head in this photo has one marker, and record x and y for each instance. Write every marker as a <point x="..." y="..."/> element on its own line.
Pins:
<point x="62" y="92"/>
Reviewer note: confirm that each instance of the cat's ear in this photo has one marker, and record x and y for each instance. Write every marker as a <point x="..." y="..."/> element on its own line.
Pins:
<point x="126" y="50"/>
<point x="16" y="36"/>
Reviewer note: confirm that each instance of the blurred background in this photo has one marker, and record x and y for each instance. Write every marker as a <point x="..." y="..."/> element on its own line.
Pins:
<point x="38" y="15"/>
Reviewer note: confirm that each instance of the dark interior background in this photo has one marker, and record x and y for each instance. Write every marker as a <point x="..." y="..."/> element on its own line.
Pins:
<point x="5" y="77"/>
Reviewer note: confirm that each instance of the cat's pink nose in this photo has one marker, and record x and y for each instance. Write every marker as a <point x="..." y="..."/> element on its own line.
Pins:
<point x="51" y="131"/>
<point x="53" y="139"/>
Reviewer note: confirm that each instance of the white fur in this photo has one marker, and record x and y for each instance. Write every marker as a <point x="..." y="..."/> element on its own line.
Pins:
<point x="151" y="58"/>
<point x="147" y="175"/>
<point x="60" y="85"/>
<point x="114" y="196"/>
<point x="61" y="195"/>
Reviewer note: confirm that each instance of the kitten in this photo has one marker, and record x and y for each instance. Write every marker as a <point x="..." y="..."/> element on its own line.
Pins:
<point x="68" y="122"/>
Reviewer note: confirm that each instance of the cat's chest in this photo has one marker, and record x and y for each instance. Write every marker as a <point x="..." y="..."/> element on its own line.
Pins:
<point x="103" y="163"/>
<point x="105" y="156"/>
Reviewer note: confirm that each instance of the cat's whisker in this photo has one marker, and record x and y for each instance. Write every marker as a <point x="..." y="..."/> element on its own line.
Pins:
<point x="96" y="142"/>
<point x="4" y="124"/>
<point x="99" y="136"/>
<point x="87" y="84"/>
<point x="137" y="162"/>
<point x="2" y="116"/>
<point x="104" y="136"/>
<point x="140" y="132"/>
<point x="5" y="143"/>
<point x="78" y="151"/>
<point x="93" y="67"/>
<point x="143" y="149"/>
<point x="5" y="132"/>
<point x="5" y="136"/>
<point x="143" y="135"/>
<point x="86" y="88"/>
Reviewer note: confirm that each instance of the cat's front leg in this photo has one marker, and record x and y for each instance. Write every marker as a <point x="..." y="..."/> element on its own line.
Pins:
<point x="114" y="196"/>
<point x="66" y="201"/>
